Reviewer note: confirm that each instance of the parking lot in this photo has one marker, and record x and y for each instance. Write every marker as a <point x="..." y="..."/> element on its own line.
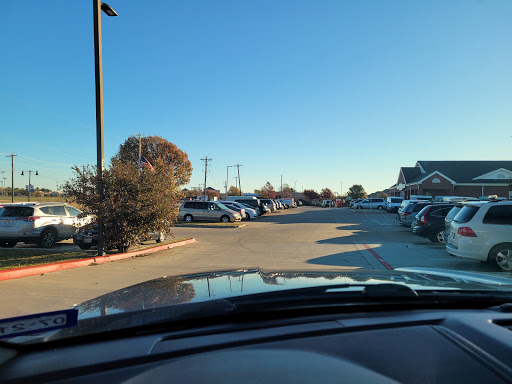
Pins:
<point x="305" y="238"/>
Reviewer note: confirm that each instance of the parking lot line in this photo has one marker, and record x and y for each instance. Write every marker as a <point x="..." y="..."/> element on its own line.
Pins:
<point x="377" y="256"/>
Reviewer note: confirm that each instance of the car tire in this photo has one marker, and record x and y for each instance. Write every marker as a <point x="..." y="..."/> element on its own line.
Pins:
<point x="160" y="238"/>
<point x="188" y="218"/>
<point x="438" y="237"/>
<point x="501" y="256"/>
<point x="224" y="219"/>
<point x="359" y="207"/>
<point x="247" y="216"/>
<point x="84" y="246"/>
<point x="380" y="207"/>
<point x="8" y="243"/>
<point x="48" y="238"/>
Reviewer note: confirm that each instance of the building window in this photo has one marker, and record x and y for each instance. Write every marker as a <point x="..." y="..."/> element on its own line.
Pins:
<point x="436" y="181"/>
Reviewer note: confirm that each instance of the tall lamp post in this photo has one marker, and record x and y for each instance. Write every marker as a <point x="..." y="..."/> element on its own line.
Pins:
<point x="29" y="185"/>
<point x="98" y="6"/>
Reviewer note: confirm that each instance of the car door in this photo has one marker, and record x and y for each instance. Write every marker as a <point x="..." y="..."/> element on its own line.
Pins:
<point x="213" y="211"/>
<point x="58" y="218"/>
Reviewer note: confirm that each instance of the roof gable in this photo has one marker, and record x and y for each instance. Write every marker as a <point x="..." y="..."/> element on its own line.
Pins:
<point x="464" y="171"/>
<point x="498" y="174"/>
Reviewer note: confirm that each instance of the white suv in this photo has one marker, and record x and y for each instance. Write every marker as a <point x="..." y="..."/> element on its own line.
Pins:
<point x="372" y="203"/>
<point x="483" y="231"/>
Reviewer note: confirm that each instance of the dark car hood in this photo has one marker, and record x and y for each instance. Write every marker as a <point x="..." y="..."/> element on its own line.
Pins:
<point x="201" y="287"/>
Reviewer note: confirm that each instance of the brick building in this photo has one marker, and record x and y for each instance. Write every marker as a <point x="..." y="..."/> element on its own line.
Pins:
<point x="454" y="178"/>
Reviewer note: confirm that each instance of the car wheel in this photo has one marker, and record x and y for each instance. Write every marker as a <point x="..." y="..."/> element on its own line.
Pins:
<point x="438" y="237"/>
<point x="189" y="218"/>
<point x="224" y="219"/>
<point x="247" y="217"/>
<point x="48" y="238"/>
<point x="84" y="246"/>
<point x="501" y="256"/>
<point x="8" y="244"/>
<point x="160" y="238"/>
<point x="379" y="207"/>
<point x="359" y="207"/>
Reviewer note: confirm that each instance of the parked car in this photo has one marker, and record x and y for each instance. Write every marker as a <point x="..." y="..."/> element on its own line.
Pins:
<point x="41" y="223"/>
<point x="270" y="204"/>
<point x="87" y="236"/>
<point x="253" y="201"/>
<point x="406" y="202"/>
<point x="207" y="210"/>
<point x="423" y="197"/>
<point x="483" y="231"/>
<point x="353" y="202"/>
<point x="257" y="211"/>
<point x="372" y="203"/>
<point x="248" y="214"/>
<point x="408" y="214"/>
<point x="393" y="203"/>
<point x="449" y="217"/>
<point x="429" y="222"/>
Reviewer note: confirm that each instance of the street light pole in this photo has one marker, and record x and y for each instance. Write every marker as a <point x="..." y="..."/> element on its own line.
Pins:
<point x="98" y="6"/>
<point x="29" y="184"/>
<point x="227" y="179"/>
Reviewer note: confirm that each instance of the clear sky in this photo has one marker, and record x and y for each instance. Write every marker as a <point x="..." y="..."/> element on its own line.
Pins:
<point x="320" y="92"/>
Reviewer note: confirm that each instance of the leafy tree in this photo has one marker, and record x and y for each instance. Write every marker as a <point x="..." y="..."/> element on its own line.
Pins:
<point x="156" y="148"/>
<point x="234" y="191"/>
<point x="311" y="194"/>
<point x="326" y="194"/>
<point x="268" y="191"/>
<point x="135" y="202"/>
<point x="212" y="194"/>
<point x="382" y="195"/>
<point x="357" y="192"/>
<point x="287" y="191"/>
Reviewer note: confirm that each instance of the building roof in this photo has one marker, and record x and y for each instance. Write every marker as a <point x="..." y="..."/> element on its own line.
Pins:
<point x="474" y="172"/>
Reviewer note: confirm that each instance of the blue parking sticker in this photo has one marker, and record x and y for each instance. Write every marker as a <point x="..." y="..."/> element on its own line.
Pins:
<point x="24" y="325"/>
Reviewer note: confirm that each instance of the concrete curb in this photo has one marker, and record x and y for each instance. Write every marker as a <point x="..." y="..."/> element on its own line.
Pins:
<point x="17" y="273"/>
<point x="209" y="226"/>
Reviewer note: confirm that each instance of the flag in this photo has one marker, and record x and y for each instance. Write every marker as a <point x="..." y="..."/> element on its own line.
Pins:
<point x="145" y="163"/>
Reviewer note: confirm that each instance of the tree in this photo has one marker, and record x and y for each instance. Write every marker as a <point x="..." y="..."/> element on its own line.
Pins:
<point x="268" y="191"/>
<point x="357" y="192"/>
<point x="311" y="195"/>
<point x="287" y="191"/>
<point x="134" y="204"/>
<point x="234" y="191"/>
<point x="157" y="149"/>
<point x="212" y="194"/>
<point x="326" y="194"/>
<point x="382" y="195"/>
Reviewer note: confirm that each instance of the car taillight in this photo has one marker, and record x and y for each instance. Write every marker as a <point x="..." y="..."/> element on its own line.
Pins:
<point x="423" y="218"/>
<point x="466" y="231"/>
<point x="28" y="218"/>
<point x="406" y="213"/>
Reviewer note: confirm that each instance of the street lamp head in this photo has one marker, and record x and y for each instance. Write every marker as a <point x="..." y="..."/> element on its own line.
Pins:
<point x="22" y="174"/>
<point x="37" y="173"/>
<point x="108" y="9"/>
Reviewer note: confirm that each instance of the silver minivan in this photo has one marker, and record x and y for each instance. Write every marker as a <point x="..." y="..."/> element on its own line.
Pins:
<point x="208" y="211"/>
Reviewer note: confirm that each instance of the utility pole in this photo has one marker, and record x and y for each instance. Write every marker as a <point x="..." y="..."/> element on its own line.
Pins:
<point x="281" y="190"/>
<point x="239" y="185"/>
<point x="227" y="179"/>
<point x="12" y="175"/>
<point x="294" y="189"/>
<point x="206" y="160"/>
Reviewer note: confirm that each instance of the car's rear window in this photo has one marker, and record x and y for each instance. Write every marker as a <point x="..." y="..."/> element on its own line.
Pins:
<point x="465" y="214"/>
<point x="453" y="212"/>
<point x="396" y="201"/>
<point x="418" y="207"/>
<point x="17" y="211"/>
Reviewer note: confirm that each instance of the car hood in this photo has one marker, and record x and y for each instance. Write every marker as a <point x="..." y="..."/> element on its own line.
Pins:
<point x="201" y="287"/>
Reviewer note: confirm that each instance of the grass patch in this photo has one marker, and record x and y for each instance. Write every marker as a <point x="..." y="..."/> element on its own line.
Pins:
<point x="18" y="258"/>
<point x="22" y="257"/>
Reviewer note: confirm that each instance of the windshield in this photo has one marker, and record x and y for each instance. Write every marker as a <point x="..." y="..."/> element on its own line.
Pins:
<point x="134" y="136"/>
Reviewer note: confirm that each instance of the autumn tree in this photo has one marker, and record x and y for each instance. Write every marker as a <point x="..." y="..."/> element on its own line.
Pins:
<point x="136" y="202"/>
<point x="267" y="191"/>
<point x="156" y="148"/>
<point x="311" y="194"/>
<point x="212" y="194"/>
<point x="357" y="192"/>
<point x="234" y="191"/>
<point x="286" y="191"/>
<point x="382" y="195"/>
<point x="326" y="194"/>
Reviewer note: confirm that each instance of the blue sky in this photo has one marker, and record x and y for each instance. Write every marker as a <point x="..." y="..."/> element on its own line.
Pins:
<point x="319" y="92"/>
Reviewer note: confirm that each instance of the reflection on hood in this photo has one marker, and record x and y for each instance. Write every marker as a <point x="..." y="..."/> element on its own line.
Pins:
<point x="173" y="290"/>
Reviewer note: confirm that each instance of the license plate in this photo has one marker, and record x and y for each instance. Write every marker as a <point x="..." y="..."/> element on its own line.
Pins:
<point x="88" y="240"/>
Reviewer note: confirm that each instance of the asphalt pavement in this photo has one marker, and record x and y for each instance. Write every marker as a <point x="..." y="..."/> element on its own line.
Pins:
<point x="305" y="238"/>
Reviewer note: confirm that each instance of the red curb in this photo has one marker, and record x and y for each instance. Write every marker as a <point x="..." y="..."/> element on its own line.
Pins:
<point x="378" y="257"/>
<point x="17" y="273"/>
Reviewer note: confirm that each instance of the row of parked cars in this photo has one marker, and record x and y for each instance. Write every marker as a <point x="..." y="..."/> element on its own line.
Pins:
<point x="470" y="228"/>
<point x="234" y="208"/>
